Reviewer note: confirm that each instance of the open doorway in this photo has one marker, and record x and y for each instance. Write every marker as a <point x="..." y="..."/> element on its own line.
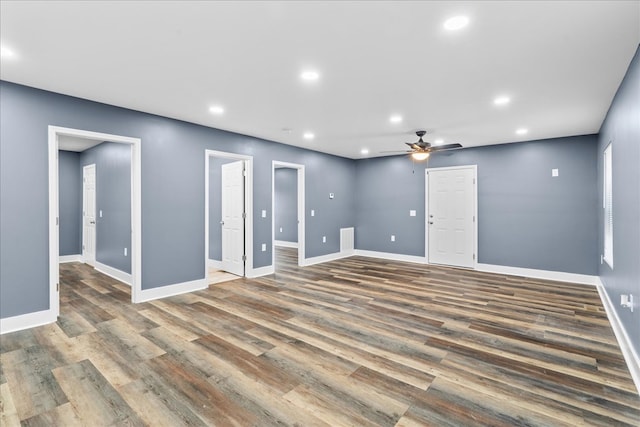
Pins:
<point x="287" y="205"/>
<point x="228" y="216"/>
<point x="66" y="138"/>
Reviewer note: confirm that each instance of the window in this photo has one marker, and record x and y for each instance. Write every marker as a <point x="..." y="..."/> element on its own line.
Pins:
<point x="607" y="204"/>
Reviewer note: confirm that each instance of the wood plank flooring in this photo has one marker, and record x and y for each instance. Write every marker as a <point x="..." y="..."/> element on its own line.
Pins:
<point x="354" y="342"/>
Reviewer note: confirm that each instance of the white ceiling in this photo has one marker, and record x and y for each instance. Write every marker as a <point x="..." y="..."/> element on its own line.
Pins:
<point x="559" y="61"/>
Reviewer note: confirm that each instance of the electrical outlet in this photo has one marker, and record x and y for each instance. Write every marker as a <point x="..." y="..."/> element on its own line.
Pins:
<point x="313" y="213"/>
<point x="324" y="239"/>
<point x="264" y="247"/>
<point x="281" y="229"/>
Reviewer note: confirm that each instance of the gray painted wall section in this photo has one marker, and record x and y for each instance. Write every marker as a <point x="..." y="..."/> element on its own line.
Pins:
<point x="622" y="128"/>
<point x="286" y="204"/>
<point x="113" y="198"/>
<point x="70" y="202"/>
<point x="172" y="191"/>
<point x="526" y="218"/>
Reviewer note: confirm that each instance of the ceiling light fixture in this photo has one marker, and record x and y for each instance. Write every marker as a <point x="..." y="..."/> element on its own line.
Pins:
<point x="522" y="131"/>
<point x="395" y="118"/>
<point x="502" y="100"/>
<point x="420" y="156"/>
<point x="364" y="151"/>
<point x="216" y="109"/>
<point x="308" y="135"/>
<point x="456" y="23"/>
<point x="5" y="52"/>
<point x="438" y="141"/>
<point x="310" y="76"/>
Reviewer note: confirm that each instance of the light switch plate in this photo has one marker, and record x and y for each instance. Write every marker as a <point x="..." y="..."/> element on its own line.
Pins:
<point x="100" y="213"/>
<point x="393" y="238"/>
<point x="324" y="239"/>
<point x="331" y="195"/>
<point x="264" y="213"/>
<point x="554" y="172"/>
<point x="412" y="212"/>
<point x="313" y="213"/>
<point x="264" y="247"/>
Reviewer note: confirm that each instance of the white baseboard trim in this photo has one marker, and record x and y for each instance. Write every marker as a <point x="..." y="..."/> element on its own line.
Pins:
<point x="70" y="258"/>
<point x="120" y="275"/>
<point x="285" y="244"/>
<point x="325" y="258"/>
<point x="260" y="271"/>
<point x="624" y="341"/>
<point x="214" y="263"/>
<point x="171" y="290"/>
<point x="26" y="321"/>
<point x="558" y="276"/>
<point x="391" y="256"/>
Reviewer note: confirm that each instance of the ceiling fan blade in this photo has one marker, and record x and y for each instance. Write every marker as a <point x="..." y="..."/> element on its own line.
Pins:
<point x="413" y="145"/>
<point x="444" y="147"/>
<point x="397" y="152"/>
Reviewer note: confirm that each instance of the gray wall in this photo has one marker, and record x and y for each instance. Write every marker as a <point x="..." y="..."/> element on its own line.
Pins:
<point x="113" y="198"/>
<point x="70" y="202"/>
<point x="172" y="191"/>
<point x="215" y="206"/>
<point x="286" y="204"/>
<point x="622" y="128"/>
<point x="526" y="218"/>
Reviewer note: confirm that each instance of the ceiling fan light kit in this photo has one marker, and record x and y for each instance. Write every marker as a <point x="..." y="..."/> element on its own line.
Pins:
<point x="420" y="155"/>
<point x="420" y="150"/>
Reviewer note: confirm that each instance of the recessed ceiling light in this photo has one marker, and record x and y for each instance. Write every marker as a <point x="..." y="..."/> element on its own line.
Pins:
<point x="216" y="109"/>
<point x="310" y="75"/>
<point x="502" y="100"/>
<point x="364" y="151"/>
<point x="456" y="23"/>
<point x="308" y="135"/>
<point x="522" y="131"/>
<point x="438" y="141"/>
<point x="5" y="52"/>
<point x="395" y="118"/>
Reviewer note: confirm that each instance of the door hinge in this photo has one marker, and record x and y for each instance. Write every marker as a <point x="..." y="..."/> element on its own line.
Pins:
<point x="57" y="287"/>
<point x="474" y="257"/>
<point x="244" y="172"/>
<point x="474" y="218"/>
<point x="57" y="220"/>
<point x="474" y="180"/>
<point x="244" y="215"/>
<point x="244" y="258"/>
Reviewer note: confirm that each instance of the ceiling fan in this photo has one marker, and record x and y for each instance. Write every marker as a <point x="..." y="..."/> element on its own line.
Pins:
<point x="420" y="150"/>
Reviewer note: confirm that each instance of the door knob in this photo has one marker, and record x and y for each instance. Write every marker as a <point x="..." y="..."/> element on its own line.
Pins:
<point x="92" y="222"/>
<point x="221" y="222"/>
<point x="430" y="222"/>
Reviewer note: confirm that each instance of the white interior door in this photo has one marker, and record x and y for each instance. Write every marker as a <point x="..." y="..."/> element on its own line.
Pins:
<point x="233" y="217"/>
<point x="89" y="214"/>
<point x="451" y="216"/>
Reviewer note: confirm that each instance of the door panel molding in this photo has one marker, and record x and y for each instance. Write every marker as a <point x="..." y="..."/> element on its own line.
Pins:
<point x="474" y="169"/>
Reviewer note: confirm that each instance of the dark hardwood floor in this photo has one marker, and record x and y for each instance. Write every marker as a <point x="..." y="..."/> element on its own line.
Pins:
<point x="352" y="342"/>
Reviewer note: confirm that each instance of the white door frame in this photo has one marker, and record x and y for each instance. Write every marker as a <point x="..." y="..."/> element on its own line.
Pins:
<point x="301" y="213"/>
<point x="248" y="207"/>
<point x="95" y="196"/>
<point x="474" y="168"/>
<point x="136" y="208"/>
